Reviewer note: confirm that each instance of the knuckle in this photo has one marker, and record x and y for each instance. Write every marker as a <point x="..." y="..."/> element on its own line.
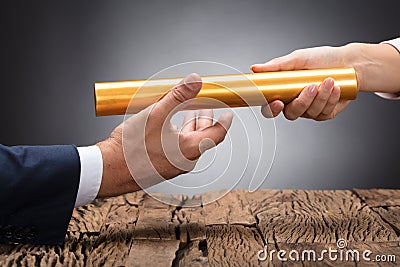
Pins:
<point x="290" y="116"/>
<point x="302" y="104"/>
<point x="312" y="114"/>
<point x="325" y="98"/>
<point x="179" y="95"/>
<point x="325" y="117"/>
<point x="322" y="98"/>
<point x="330" y="116"/>
<point x="326" y="112"/>
<point x="184" y="138"/>
<point x="321" y="118"/>
<point x="333" y="101"/>
<point x="296" y="53"/>
<point x="299" y="58"/>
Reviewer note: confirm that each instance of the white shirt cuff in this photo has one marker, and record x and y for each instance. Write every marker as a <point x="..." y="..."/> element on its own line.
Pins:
<point x="395" y="43"/>
<point x="91" y="174"/>
<point x="389" y="96"/>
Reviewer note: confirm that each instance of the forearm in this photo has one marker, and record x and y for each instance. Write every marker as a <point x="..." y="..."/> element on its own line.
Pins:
<point x="377" y="66"/>
<point x="113" y="170"/>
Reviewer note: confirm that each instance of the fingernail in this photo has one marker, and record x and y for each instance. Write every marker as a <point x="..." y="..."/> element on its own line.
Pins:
<point x="312" y="90"/>
<point x="336" y="90"/>
<point x="328" y="84"/>
<point x="191" y="82"/>
<point x="256" y="66"/>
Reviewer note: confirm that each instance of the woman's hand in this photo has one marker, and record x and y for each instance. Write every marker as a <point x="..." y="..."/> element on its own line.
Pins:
<point x="318" y="102"/>
<point x="376" y="66"/>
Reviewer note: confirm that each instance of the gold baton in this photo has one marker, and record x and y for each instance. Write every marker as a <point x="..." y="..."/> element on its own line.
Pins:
<point x="234" y="90"/>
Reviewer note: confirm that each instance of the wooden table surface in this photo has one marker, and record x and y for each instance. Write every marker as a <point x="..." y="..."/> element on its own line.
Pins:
<point x="137" y="230"/>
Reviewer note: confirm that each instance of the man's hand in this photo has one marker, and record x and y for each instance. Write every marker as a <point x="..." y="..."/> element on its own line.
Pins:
<point x="376" y="66"/>
<point x="149" y="148"/>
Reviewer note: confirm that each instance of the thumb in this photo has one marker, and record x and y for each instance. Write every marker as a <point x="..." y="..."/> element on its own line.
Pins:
<point x="187" y="89"/>
<point x="291" y="61"/>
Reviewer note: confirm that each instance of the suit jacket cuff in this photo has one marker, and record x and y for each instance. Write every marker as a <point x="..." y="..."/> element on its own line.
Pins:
<point x="38" y="188"/>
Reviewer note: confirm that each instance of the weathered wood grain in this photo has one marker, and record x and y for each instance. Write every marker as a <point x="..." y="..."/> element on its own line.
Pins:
<point x="233" y="244"/>
<point x="391" y="215"/>
<point x="116" y="235"/>
<point x="233" y="208"/>
<point x="152" y="252"/>
<point x="379" y="197"/>
<point x="90" y="218"/>
<point x="192" y="224"/>
<point x="155" y="221"/>
<point x="193" y="254"/>
<point x="121" y="218"/>
<point x="319" y="216"/>
<point x="135" y="198"/>
<point x="5" y="252"/>
<point x="73" y="253"/>
<point x="138" y="230"/>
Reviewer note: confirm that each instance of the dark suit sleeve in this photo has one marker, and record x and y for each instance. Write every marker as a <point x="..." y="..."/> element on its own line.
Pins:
<point x="38" y="188"/>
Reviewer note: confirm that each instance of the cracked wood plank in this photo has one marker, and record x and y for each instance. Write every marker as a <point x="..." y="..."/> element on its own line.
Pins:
<point x="121" y="218"/>
<point x="233" y="208"/>
<point x="113" y="245"/>
<point x="5" y="251"/>
<point x="155" y="220"/>
<point x="127" y="228"/>
<point x="390" y="215"/>
<point x="90" y="217"/>
<point x="73" y="253"/>
<point x="152" y="252"/>
<point x="193" y="254"/>
<point x="319" y="216"/>
<point x="192" y="224"/>
<point x="105" y="225"/>
<point x="192" y="220"/>
<point x="135" y="198"/>
<point x="379" y="197"/>
<point x="234" y="244"/>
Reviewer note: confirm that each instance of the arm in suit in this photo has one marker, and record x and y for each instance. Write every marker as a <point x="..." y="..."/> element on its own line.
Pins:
<point x="38" y="188"/>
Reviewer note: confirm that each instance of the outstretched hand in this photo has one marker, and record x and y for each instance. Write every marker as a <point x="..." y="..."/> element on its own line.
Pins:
<point x="147" y="148"/>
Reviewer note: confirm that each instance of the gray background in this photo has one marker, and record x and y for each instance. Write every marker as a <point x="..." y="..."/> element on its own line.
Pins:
<point x="52" y="52"/>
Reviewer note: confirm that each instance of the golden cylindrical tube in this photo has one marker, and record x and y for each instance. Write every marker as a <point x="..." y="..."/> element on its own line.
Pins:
<point x="234" y="90"/>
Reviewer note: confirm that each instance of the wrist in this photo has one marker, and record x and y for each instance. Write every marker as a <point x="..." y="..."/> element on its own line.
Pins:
<point x="375" y="65"/>
<point x="116" y="178"/>
<point x="357" y="55"/>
